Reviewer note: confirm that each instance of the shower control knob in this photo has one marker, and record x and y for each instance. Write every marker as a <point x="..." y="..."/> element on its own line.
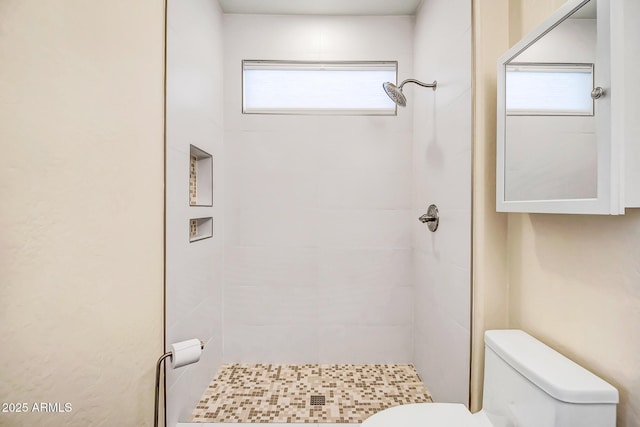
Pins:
<point x="426" y="218"/>
<point x="598" y="92"/>
<point x="431" y="218"/>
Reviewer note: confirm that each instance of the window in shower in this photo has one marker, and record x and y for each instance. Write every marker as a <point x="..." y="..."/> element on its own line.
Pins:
<point x="549" y="89"/>
<point x="294" y="87"/>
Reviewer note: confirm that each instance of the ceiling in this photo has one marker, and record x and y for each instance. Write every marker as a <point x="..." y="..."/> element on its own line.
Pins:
<point x="321" y="7"/>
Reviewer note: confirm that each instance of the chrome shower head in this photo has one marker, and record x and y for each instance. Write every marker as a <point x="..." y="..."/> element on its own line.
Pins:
<point x="395" y="92"/>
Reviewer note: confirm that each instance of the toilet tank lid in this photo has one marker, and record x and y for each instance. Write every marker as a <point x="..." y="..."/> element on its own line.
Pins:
<point x="560" y="377"/>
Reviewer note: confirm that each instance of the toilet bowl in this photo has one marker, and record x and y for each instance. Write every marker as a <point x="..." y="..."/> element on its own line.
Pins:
<point x="527" y="384"/>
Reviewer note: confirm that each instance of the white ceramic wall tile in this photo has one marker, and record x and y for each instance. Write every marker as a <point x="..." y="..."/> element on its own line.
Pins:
<point x="193" y="381"/>
<point x="277" y="227"/>
<point x="424" y="293"/>
<point x="271" y="266"/>
<point x="454" y="295"/>
<point x="365" y="344"/>
<point x="458" y="197"/>
<point x="270" y="344"/>
<point x="364" y="267"/>
<point x="372" y="306"/>
<point x="365" y="127"/>
<point x="176" y="410"/>
<point x="451" y="244"/>
<point x="442" y="175"/>
<point x="353" y="149"/>
<point x="271" y="190"/>
<point x="194" y="79"/>
<point x="195" y="323"/>
<point x="450" y="65"/>
<point x="364" y="228"/>
<point x="449" y="383"/>
<point x="177" y="167"/>
<point x="313" y="38"/>
<point x="292" y="151"/>
<point x="282" y="171"/>
<point x="365" y="189"/>
<point x="453" y="134"/>
<point x="193" y="273"/>
<point x="446" y="288"/>
<point x="441" y="20"/>
<point x="212" y="348"/>
<point x="352" y="38"/>
<point x="442" y="163"/>
<point x="316" y="37"/>
<point x="271" y="305"/>
<point x="190" y="277"/>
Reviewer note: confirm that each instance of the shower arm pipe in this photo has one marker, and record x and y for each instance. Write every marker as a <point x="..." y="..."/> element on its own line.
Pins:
<point x="419" y="83"/>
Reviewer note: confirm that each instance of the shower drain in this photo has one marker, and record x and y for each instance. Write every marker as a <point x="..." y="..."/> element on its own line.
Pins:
<point x="317" y="399"/>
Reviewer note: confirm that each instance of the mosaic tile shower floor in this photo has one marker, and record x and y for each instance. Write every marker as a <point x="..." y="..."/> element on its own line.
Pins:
<point x="282" y="393"/>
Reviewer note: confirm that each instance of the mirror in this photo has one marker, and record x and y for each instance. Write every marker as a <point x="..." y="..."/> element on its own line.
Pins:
<point x="567" y="113"/>
<point x="561" y="121"/>
<point x="550" y="150"/>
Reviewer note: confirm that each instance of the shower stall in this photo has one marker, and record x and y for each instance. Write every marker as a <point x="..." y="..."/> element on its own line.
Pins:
<point x="293" y="246"/>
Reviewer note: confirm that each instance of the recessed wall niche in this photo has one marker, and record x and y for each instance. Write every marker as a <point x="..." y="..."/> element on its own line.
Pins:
<point x="200" y="228"/>
<point x="200" y="177"/>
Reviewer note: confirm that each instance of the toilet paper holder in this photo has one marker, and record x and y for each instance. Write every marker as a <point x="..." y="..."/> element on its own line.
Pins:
<point x="160" y="360"/>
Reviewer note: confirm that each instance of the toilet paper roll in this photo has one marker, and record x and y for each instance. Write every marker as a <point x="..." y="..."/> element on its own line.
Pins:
<point x="185" y="353"/>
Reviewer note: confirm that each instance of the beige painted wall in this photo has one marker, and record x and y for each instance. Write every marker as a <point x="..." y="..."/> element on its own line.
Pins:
<point x="573" y="281"/>
<point x="575" y="284"/>
<point x="81" y="211"/>
<point x="490" y="291"/>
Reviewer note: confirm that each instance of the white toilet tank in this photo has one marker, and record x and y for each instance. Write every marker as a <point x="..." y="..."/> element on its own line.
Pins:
<point x="527" y="384"/>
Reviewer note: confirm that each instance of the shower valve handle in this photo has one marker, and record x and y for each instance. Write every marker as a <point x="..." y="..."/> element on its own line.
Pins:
<point x="431" y="218"/>
<point x="426" y="218"/>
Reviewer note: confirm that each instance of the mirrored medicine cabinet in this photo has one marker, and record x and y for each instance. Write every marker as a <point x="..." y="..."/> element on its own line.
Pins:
<point x="563" y="123"/>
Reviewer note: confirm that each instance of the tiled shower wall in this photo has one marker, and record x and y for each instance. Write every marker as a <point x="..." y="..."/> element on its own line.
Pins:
<point x="318" y="232"/>
<point x="321" y="242"/>
<point x="193" y="270"/>
<point x="442" y="175"/>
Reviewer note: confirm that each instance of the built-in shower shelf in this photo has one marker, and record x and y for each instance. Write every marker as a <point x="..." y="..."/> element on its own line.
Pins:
<point x="200" y="229"/>
<point x="200" y="177"/>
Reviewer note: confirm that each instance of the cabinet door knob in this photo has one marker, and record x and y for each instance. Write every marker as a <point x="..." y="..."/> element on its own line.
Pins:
<point x="597" y="92"/>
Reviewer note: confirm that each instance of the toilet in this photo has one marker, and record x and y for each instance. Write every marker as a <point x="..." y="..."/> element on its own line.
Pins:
<point x="526" y="384"/>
